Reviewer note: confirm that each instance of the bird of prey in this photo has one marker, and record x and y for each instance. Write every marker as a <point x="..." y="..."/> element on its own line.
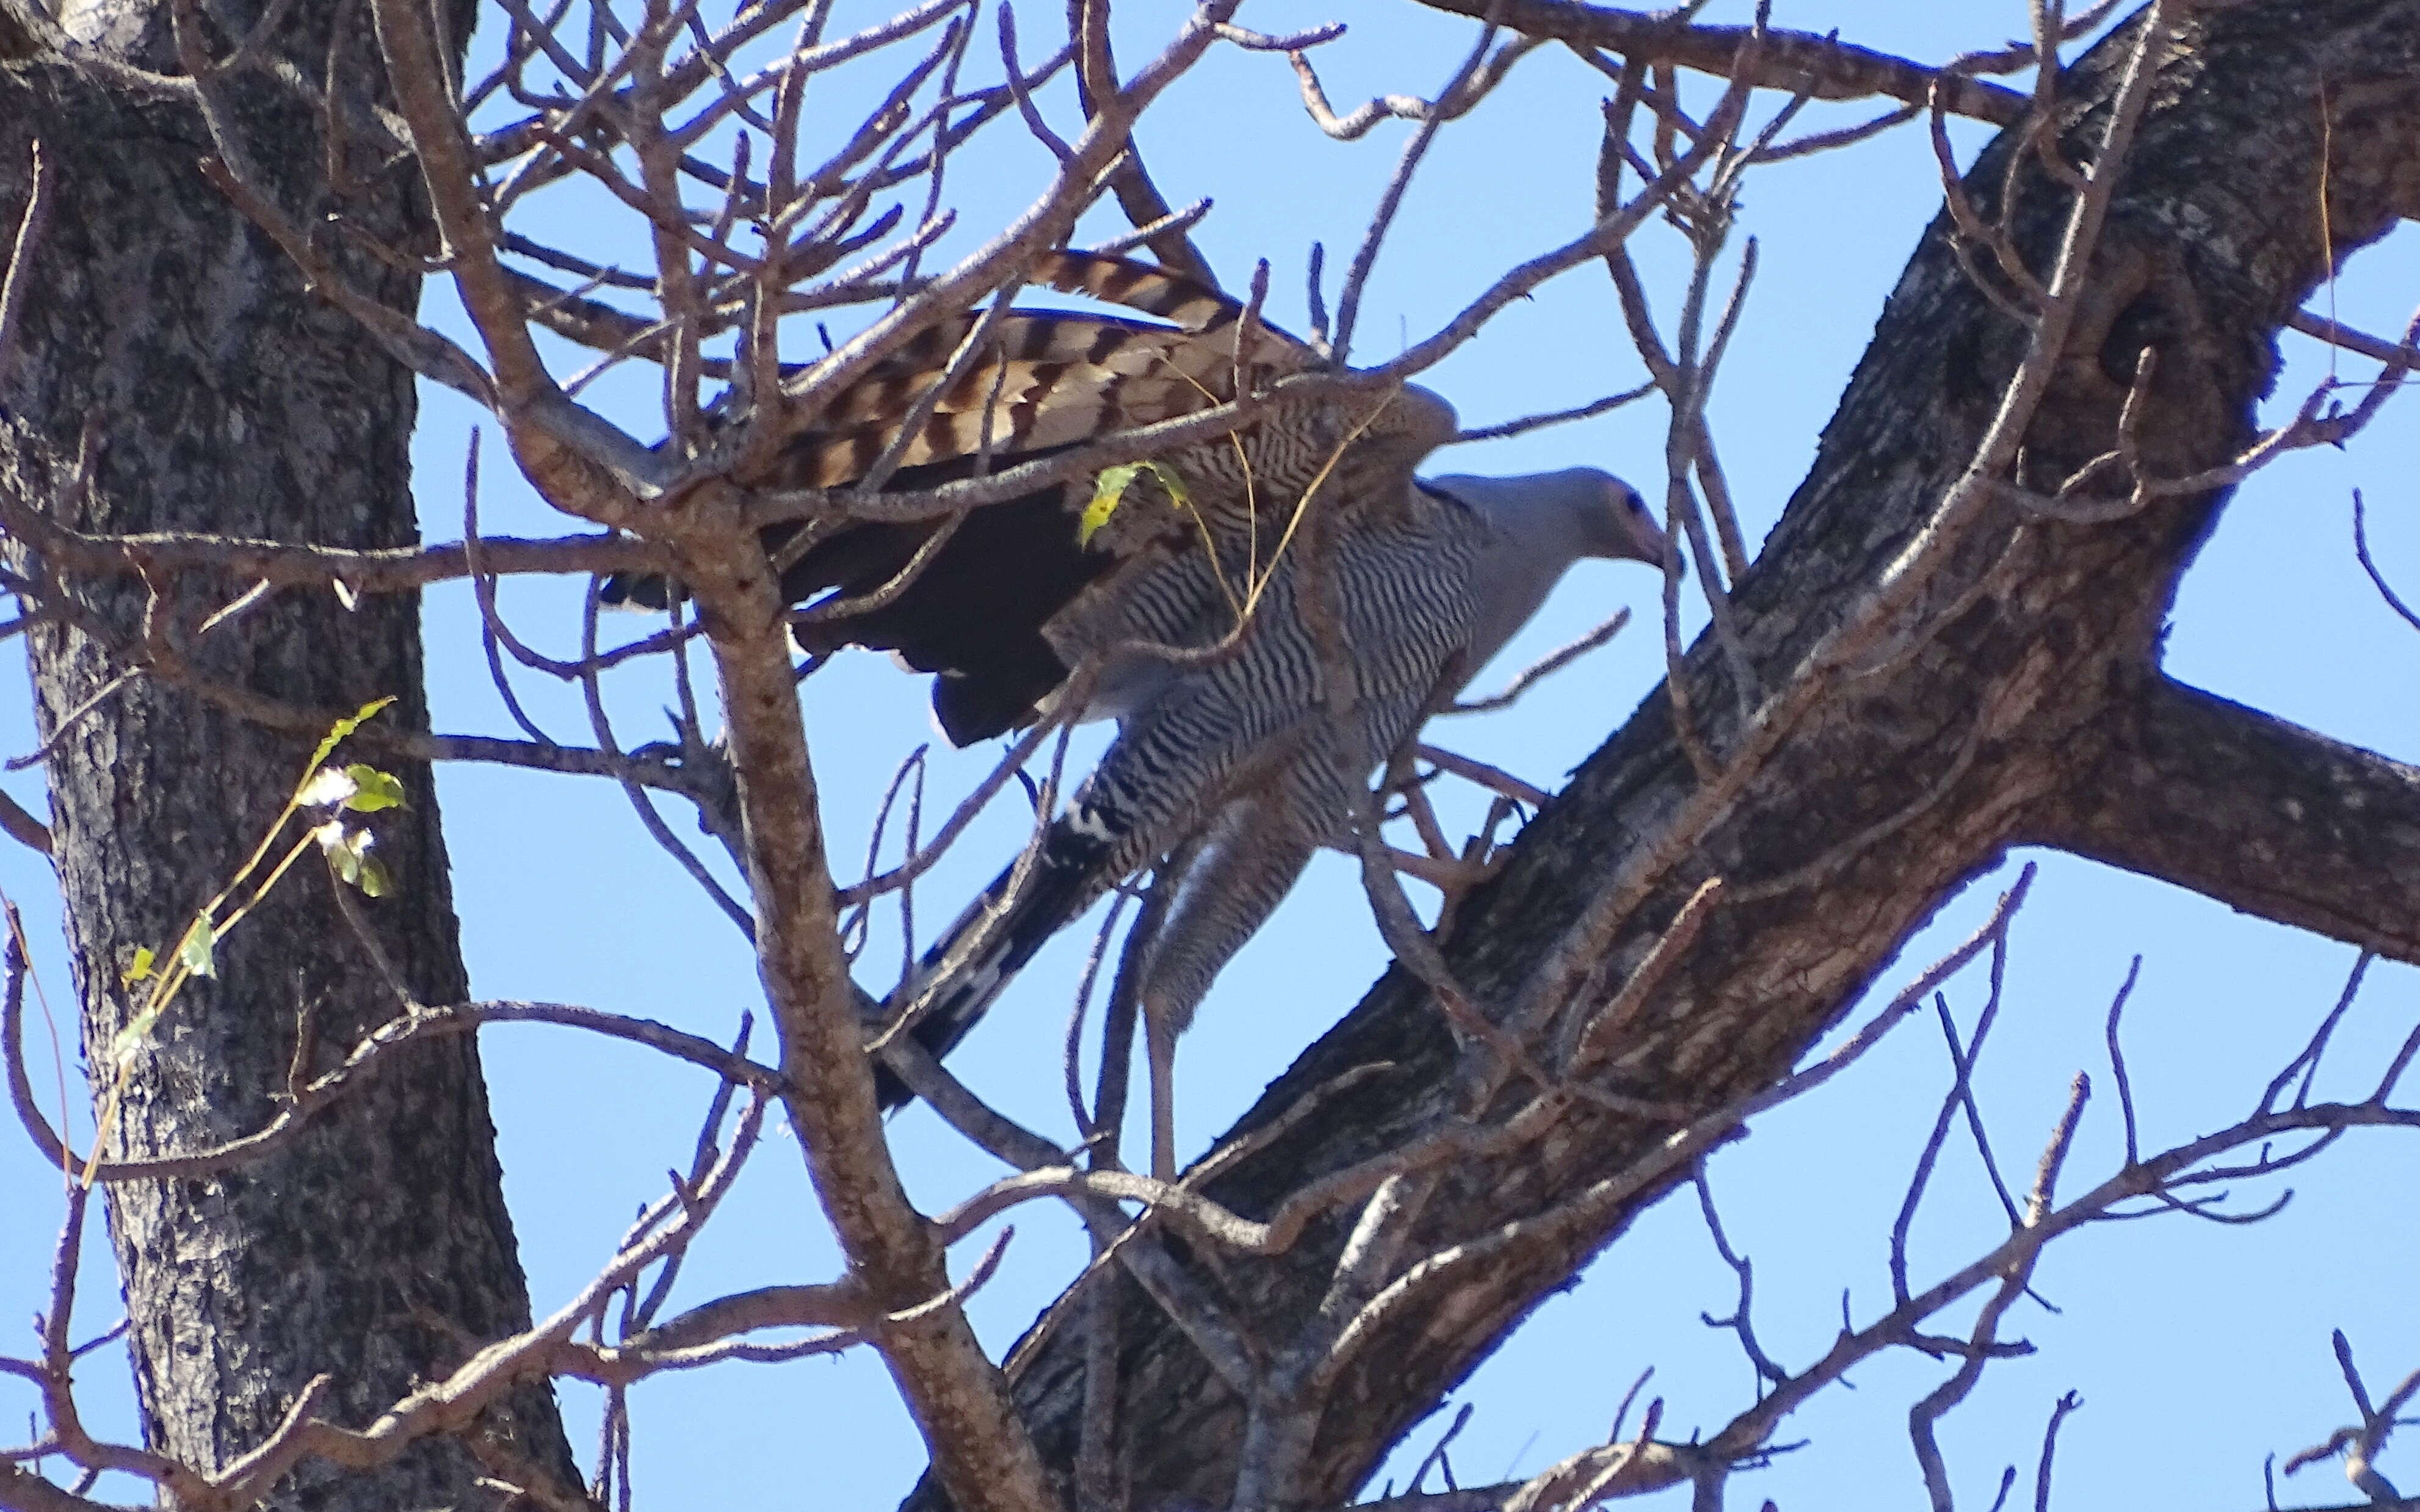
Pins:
<point x="1254" y="557"/>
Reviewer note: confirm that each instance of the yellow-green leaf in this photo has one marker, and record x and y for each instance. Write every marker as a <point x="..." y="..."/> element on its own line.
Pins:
<point x="373" y="789"/>
<point x="1107" y="490"/>
<point x="141" y="969"/>
<point x="345" y="726"/>
<point x="1110" y="491"/>
<point x="1175" y="485"/>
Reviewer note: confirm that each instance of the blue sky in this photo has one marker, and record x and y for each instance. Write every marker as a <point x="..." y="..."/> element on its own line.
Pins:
<point x="2198" y="1350"/>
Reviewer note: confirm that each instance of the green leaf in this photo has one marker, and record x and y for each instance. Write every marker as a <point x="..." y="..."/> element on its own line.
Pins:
<point x="373" y="790"/>
<point x="1110" y="491"/>
<point x="141" y="969"/>
<point x="1175" y="485"/>
<point x="346" y="726"/>
<point x="349" y="853"/>
<point x="194" y="950"/>
<point x="1107" y="490"/>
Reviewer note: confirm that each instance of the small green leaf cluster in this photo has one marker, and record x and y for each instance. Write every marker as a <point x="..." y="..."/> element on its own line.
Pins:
<point x="354" y="789"/>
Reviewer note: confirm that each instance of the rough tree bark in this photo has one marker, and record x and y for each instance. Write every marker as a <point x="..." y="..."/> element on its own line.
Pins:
<point x="2033" y="712"/>
<point x="226" y="399"/>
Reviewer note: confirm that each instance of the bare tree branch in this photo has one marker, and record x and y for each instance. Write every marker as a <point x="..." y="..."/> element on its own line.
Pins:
<point x="2312" y="832"/>
<point x="1822" y="67"/>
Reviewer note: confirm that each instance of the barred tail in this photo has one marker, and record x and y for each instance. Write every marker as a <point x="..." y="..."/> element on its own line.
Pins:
<point x="982" y="952"/>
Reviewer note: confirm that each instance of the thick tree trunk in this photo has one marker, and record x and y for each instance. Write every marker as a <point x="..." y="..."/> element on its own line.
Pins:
<point x="226" y="399"/>
<point x="2030" y="711"/>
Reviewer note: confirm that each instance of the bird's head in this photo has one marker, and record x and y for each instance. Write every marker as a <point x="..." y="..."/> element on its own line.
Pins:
<point x="1620" y="524"/>
<point x="1584" y="511"/>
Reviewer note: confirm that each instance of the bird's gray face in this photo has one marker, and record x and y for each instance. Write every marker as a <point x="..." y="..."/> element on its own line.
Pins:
<point x="1577" y="512"/>
<point x="1629" y="529"/>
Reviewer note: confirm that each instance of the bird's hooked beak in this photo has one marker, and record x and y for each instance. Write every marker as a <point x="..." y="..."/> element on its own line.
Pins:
<point x="1647" y="543"/>
<point x="1668" y="554"/>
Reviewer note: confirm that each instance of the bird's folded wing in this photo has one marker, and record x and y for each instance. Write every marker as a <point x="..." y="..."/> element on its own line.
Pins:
<point x="1003" y="607"/>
